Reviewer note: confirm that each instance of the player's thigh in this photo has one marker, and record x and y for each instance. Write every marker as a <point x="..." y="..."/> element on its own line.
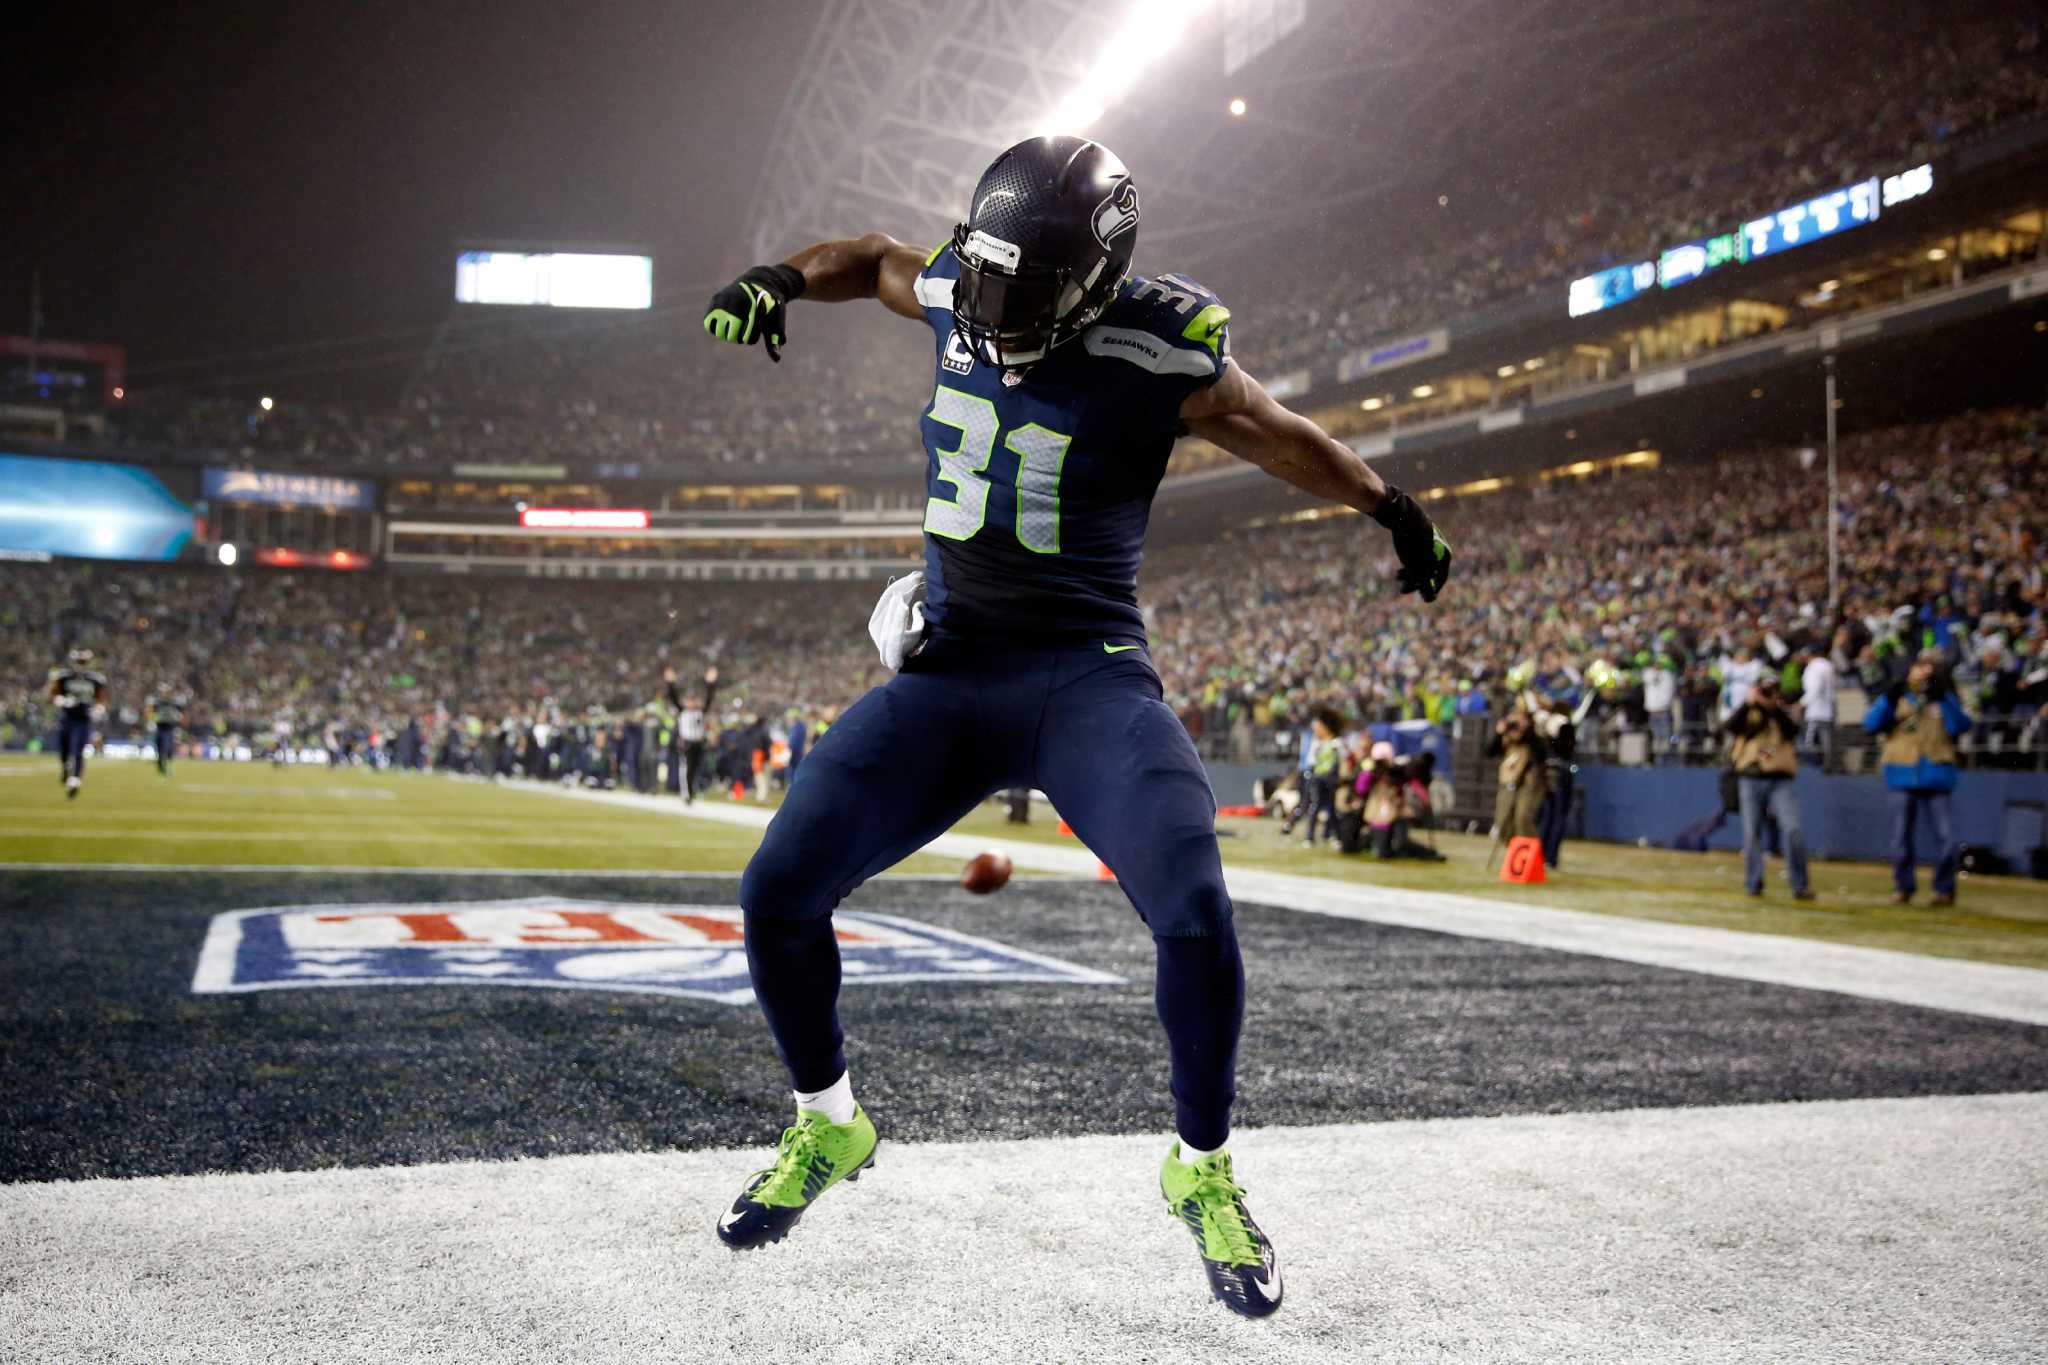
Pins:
<point x="897" y="769"/>
<point x="1121" y="769"/>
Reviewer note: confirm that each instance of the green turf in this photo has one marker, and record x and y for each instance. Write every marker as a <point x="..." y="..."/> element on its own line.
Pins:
<point x="251" y="813"/>
<point x="220" y="813"/>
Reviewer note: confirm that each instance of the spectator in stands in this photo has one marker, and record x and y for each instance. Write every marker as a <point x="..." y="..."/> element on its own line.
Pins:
<point x="1762" y="749"/>
<point x="1920" y="720"/>
<point x="1660" y="694"/>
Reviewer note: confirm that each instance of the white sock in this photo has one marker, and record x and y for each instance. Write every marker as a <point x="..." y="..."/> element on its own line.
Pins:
<point x="835" y="1101"/>
<point x="1190" y="1153"/>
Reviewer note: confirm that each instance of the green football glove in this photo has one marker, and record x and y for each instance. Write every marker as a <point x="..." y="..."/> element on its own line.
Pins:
<point x="1425" y="554"/>
<point x="753" y="307"/>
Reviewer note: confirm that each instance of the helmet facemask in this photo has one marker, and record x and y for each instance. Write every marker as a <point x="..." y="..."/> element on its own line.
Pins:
<point x="1008" y="313"/>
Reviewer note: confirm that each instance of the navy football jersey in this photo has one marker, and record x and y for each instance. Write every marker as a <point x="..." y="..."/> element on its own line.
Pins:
<point x="1039" y="490"/>
<point x="76" y="689"/>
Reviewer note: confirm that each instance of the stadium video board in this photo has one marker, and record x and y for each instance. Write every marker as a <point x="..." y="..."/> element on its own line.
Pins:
<point x="1796" y="225"/>
<point x="88" y="510"/>
<point x="554" y="279"/>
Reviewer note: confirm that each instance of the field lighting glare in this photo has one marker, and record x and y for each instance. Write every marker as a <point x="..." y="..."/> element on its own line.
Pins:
<point x="1149" y="34"/>
<point x="1237" y="108"/>
<point x="227" y="553"/>
<point x="265" y="403"/>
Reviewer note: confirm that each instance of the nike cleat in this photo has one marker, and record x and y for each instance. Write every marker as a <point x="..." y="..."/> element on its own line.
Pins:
<point x="1243" y="1271"/>
<point x="814" y="1155"/>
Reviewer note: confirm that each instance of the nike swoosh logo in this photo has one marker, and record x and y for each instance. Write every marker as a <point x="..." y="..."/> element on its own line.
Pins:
<point x="726" y="1220"/>
<point x="1108" y="648"/>
<point x="1272" y="1284"/>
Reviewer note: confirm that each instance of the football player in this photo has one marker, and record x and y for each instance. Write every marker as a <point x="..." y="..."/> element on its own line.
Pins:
<point x="79" y="690"/>
<point x="1062" y="382"/>
<point x="165" y="710"/>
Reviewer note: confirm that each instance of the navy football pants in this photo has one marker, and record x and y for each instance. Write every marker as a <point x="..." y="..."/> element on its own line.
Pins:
<point x="911" y="757"/>
<point x="73" y="738"/>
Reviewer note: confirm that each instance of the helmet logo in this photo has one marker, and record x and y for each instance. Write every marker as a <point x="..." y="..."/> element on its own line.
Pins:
<point x="994" y="250"/>
<point x="1117" y="213"/>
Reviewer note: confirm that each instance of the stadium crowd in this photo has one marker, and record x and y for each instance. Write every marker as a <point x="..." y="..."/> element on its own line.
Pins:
<point x="1639" y="585"/>
<point x="1661" y="592"/>
<point x="621" y="392"/>
<point x="1694" y="170"/>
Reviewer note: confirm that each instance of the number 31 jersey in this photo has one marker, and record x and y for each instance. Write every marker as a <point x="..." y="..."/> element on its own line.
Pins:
<point x="1038" y="491"/>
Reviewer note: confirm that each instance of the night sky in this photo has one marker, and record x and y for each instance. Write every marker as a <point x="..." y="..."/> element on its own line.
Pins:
<point x="196" y="179"/>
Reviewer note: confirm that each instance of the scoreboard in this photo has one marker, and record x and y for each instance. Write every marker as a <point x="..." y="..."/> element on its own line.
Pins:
<point x="555" y="279"/>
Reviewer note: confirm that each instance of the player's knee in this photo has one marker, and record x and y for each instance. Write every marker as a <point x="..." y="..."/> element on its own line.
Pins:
<point x="778" y="885"/>
<point x="788" y="878"/>
<point x="1195" y="903"/>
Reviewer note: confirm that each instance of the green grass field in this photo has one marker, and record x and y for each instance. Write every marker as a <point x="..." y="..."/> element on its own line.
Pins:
<point x="232" y="814"/>
<point x="218" y="814"/>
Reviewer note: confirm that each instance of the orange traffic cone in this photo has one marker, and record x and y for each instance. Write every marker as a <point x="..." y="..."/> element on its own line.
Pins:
<point x="1102" y="872"/>
<point x="1524" y="862"/>
<point x="1066" y="829"/>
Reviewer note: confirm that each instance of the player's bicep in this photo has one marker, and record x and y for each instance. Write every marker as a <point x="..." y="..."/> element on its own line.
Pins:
<point x="896" y="280"/>
<point x="1237" y="414"/>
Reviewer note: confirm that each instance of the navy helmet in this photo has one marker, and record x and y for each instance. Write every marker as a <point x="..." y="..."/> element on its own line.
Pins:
<point x="1047" y="241"/>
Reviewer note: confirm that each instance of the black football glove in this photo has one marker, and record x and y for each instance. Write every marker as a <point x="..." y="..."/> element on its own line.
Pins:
<point x="1425" y="554"/>
<point x="753" y="307"/>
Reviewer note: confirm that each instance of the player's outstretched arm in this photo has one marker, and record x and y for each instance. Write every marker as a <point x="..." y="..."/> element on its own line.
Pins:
<point x="1238" y="414"/>
<point x="754" y="307"/>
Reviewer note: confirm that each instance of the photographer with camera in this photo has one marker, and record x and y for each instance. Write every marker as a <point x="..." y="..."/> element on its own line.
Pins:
<point x="1920" y="719"/>
<point x="1761" y="748"/>
<point x="1523" y="781"/>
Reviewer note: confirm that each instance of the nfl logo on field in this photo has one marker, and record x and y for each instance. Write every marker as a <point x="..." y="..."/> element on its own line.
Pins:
<point x="685" y="950"/>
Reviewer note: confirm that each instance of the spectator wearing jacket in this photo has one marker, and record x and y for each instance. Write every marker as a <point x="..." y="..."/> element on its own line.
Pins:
<point x="1920" y="720"/>
<point x="1762" y="737"/>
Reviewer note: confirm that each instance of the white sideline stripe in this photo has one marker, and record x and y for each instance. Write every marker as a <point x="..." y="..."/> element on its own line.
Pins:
<point x="1990" y="989"/>
<point x="1889" y="1229"/>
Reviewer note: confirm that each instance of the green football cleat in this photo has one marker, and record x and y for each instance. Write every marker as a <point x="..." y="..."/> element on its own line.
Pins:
<point x="1243" y="1271"/>
<point x="814" y="1155"/>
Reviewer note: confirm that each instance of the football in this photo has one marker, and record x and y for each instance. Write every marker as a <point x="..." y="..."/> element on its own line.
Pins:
<point x="986" y="872"/>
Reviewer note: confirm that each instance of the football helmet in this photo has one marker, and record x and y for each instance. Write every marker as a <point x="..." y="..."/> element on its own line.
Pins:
<point x="1046" y="243"/>
<point x="81" y="658"/>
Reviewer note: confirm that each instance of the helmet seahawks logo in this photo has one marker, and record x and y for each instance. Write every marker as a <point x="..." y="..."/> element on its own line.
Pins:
<point x="1117" y="213"/>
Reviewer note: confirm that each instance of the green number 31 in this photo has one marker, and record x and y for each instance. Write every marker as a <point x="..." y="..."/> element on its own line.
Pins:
<point x="1040" y="454"/>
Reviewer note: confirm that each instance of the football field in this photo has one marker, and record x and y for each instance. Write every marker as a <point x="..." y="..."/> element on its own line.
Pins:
<point x="341" y="1066"/>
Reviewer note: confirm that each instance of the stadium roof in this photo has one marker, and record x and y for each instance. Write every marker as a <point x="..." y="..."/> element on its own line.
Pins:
<point x="898" y="104"/>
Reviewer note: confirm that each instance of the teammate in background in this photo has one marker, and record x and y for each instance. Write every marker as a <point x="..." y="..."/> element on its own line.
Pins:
<point x="690" y="731"/>
<point x="166" y="712"/>
<point x="1062" y="382"/>
<point x="79" y="690"/>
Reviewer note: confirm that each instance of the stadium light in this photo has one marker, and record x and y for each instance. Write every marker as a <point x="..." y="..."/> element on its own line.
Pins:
<point x="1423" y="390"/>
<point x="1149" y="34"/>
<point x="1237" y="108"/>
<point x="227" y="553"/>
<point x="265" y="402"/>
